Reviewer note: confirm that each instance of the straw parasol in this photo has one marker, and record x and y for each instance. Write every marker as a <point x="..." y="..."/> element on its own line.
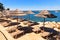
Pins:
<point x="45" y="14"/>
<point x="29" y="12"/>
<point x="6" y="13"/>
<point x="0" y="14"/>
<point x="17" y="13"/>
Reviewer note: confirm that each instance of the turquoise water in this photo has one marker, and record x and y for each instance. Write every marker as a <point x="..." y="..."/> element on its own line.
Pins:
<point x="37" y="19"/>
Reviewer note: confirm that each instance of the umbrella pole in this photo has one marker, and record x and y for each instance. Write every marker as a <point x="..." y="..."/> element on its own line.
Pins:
<point x="44" y="23"/>
<point x="21" y="17"/>
<point x="17" y="21"/>
<point x="28" y="17"/>
<point x="43" y="26"/>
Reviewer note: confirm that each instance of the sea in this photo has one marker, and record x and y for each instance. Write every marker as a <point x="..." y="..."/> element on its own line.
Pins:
<point x="32" y="17"/>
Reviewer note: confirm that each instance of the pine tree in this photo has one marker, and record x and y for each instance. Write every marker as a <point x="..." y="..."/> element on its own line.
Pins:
<point x="1" y="7"/>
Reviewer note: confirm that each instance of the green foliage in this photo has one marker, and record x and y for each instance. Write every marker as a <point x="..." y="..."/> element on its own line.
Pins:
<point x="1" y="7"/>
<point x="8" y="8"/>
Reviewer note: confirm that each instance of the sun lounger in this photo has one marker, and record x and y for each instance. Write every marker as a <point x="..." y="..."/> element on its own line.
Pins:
<point x="4" y="24"/>
<point x="17" y="33"/>
<point x="11" y="29"/>
<point x="3" y="20"/>
<point x="12" y="24"/>
<point x="36" y="29"/>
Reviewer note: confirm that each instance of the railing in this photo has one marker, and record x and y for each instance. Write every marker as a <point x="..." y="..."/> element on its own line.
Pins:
<point x="4" y="35"/>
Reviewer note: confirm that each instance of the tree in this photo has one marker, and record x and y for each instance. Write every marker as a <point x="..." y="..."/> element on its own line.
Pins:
<point x="8" y="8"/>
<point x="1" y="7"/>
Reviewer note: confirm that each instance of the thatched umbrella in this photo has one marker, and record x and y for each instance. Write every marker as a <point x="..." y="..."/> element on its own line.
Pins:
<point x="29" y="12"/>
<point x="0" y="14"/>
<point x="17" y="13"/>
<point x="6" y="13"/>
<point x="45" y="14"/>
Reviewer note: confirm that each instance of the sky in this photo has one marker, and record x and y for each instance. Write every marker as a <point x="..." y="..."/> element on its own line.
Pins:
<point x="32" y="4"/>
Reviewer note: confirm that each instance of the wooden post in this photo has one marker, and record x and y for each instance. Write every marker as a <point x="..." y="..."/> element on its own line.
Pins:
<point x="17" y="21"/>
<point x="43" y="26"/>
<point x="44" y="23"/>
